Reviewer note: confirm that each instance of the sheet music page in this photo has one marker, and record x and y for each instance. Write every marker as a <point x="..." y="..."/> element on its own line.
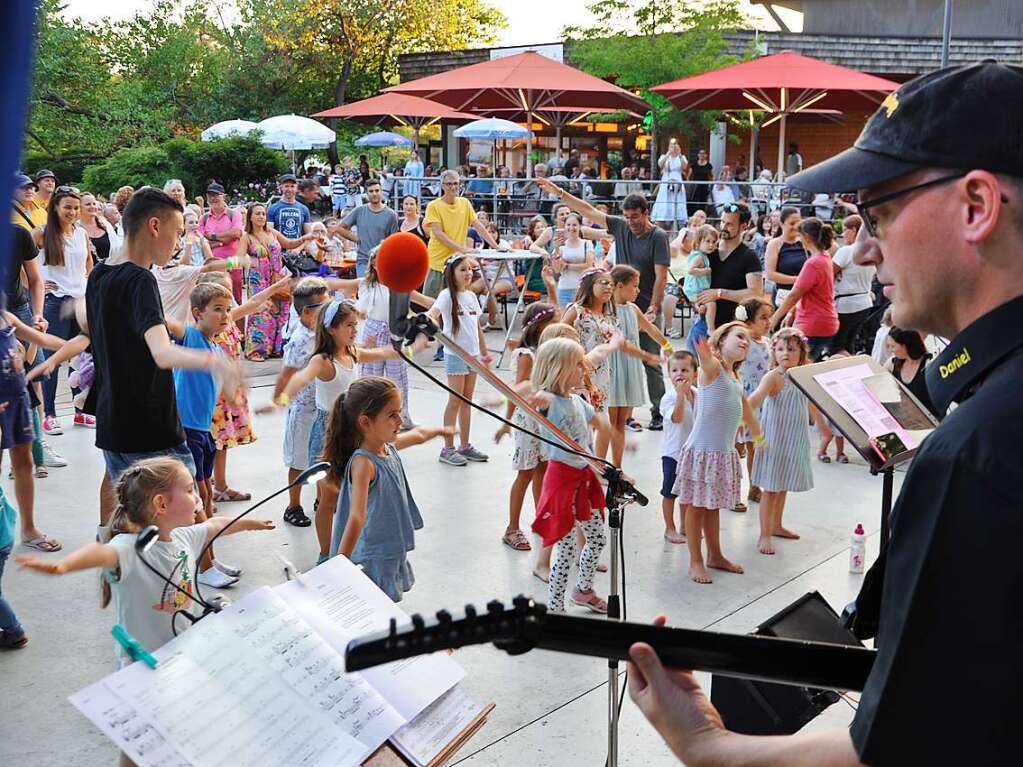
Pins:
<point x="312" y="668"/>
<point x="130" y="731"/>
<point x="422" y="739"/>
<point x="341" y="603"/>
<point x="846" y="386"/>
<point x="214" y="699"/>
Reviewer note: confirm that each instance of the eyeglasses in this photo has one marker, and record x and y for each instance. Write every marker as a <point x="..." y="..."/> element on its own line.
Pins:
<point x="870" y="221"/>
<point x="315" y="306"/>
<point x="66" y="190"/>
<point x="604" y="283"/>
<point x="449" y="183"/>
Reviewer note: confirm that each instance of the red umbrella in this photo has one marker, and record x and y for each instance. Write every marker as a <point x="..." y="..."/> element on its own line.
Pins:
<point x="397" y="109"/>
<point x="527" y="81"/>
<point x="784" y="84"/>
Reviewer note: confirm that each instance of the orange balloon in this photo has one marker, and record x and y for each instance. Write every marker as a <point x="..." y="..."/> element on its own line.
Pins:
<point x="402" y="262"/>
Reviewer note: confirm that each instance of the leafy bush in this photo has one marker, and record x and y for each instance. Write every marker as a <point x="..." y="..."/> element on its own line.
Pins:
<point x="234" y="162"/>
<point x="135" y="167"/>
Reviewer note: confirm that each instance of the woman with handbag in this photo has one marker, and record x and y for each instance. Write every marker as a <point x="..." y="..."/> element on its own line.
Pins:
<point x="264" y="329"/>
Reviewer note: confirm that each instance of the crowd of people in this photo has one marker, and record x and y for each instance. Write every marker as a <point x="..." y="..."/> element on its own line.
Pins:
<point x="271" y="280"/>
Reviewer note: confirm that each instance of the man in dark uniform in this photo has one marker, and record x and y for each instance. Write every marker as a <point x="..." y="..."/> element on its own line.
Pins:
<point x="943" y="218"/>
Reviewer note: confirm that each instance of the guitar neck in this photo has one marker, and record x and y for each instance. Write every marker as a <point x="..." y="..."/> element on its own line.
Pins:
<point x="788" y="661"/>
<point x="769" y="659"/>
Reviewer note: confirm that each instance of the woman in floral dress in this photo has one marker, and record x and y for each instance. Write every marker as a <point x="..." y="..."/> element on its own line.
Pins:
<point x="264" y="336"/>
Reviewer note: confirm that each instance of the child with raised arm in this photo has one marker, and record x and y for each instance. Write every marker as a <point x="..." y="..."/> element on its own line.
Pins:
<point x="528" y="460"/>
<point x="782" y="464"/>
<point x="331" y="370"/>
<point x="153" y="491"/>
<point x="572" y="498"/>
<point x="678" y="411"/>
<point x="308" y="295"/>
<point x="709" y="473"/>
<point x="376" y="514"/>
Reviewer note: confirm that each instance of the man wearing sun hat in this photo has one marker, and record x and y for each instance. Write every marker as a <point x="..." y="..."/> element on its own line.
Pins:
<point x="938" y="170"/>
<point x="26" y="211"/>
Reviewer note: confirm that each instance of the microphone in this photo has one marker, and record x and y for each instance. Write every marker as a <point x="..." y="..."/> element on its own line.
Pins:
<point x="143" y="543"/>
<point x="314" y="473"/>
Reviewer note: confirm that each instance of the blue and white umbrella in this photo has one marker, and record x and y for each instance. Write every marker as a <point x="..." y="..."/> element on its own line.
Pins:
<point x="493" y="128"/>
<point x="383" y="139"/>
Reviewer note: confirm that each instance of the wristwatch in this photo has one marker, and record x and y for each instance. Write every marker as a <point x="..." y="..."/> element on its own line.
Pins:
<point x="213" y="236"/>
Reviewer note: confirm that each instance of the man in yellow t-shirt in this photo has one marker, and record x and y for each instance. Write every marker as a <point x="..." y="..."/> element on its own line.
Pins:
<point x="25" y="210"/>
<point x="447" y="221"/>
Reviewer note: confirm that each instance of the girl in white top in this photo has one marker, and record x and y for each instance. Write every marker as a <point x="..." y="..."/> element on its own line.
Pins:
<point x="457" y="311"/>
<point x="154" y="491"/>
<point x="573" y="257"/>
<point x="66" y="264"/>
<point x="331" y="369"/>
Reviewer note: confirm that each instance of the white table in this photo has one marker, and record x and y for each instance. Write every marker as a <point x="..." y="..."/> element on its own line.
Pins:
<point x="504" y="261"/>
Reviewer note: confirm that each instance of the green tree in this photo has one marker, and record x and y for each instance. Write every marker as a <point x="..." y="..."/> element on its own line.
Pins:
<point x="641" y="44"/>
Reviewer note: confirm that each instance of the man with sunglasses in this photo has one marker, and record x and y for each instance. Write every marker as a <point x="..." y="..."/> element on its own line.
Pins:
<point x="943" y="221"/>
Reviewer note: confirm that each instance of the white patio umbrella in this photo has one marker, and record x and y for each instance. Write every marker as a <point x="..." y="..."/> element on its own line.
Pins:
<point x="293" y="132"/>
<point x="228" y="128"/>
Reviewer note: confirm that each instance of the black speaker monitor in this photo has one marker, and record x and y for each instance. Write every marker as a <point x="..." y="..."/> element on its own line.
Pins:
<point x="764" y="708"/>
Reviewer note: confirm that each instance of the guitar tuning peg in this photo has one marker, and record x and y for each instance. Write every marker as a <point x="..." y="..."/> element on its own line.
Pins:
<point x="443" y="618"/>
<point x="470" y="612"/>
<point x="495" y="608"/>
<point x="522" y="603"/>
<point x="392" y="629"/>
<point x="418" y="624"/>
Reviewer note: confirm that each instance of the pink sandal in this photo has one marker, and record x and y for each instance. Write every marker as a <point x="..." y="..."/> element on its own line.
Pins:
<point x="589" y="600"/>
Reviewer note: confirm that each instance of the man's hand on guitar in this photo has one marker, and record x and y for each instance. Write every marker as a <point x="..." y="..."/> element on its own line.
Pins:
<point x="674" y="703"/>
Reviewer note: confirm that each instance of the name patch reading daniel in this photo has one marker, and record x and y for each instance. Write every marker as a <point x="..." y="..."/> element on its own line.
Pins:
<point x="957" y="362"/>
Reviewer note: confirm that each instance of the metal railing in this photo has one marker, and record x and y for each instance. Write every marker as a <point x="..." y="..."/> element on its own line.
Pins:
<point x="512" y="202"/>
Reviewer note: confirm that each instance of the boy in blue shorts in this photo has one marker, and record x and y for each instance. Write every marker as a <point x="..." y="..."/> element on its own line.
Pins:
<point x="196" y="395"/>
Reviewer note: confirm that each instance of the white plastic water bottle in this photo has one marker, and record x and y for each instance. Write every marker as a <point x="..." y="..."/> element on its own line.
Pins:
<point x="857" y="550"/>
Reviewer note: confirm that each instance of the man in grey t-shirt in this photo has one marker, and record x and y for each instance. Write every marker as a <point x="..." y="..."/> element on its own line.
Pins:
<point x="643" y="246"/>
<point x="373" y="222"/>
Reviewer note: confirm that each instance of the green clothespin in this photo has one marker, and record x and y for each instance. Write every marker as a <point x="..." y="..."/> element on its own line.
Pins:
<point x="132" y="646"/>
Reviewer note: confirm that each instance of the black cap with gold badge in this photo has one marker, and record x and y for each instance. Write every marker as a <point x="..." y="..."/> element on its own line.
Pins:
<point x="962" y="117"/>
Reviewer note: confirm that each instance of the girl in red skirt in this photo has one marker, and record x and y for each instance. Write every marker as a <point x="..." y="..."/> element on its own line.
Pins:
<point x="571" y="491"/>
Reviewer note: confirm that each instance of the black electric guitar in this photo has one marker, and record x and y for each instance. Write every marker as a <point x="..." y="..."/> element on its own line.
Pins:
<point x="527" y="624"/>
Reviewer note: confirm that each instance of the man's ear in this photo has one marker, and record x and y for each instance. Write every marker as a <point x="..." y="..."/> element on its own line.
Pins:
<point x="981" y="199"/>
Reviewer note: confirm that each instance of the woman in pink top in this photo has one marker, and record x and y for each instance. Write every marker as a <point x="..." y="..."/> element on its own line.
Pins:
<point x="816" y="315"/>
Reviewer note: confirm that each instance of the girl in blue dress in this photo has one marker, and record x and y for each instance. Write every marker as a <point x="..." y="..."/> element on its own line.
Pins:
<point x="376" y="514"/>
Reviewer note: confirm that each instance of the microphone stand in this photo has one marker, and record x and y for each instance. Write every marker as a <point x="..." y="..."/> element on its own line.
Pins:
<point x="150" y="534"/>
<point x="620" y="492"/>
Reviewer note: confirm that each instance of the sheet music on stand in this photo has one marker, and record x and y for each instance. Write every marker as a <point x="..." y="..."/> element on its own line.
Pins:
<point x="865" y="401"/>
<point x="269" y="667"/>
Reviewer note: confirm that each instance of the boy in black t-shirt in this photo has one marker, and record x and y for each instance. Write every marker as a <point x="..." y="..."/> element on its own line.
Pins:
<point x="136" y="411"/>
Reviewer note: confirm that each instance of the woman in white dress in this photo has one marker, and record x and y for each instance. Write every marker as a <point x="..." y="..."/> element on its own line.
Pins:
<point x="670" y="206"/>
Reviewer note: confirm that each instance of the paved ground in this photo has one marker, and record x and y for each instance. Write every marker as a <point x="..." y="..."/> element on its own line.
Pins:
<point x="550" y="708"/>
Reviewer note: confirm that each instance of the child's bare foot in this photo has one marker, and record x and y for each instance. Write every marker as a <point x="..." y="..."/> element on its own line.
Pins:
<point x="543" y="573"/>
<point x="720" y="563"/>
<point x="784" y="532"/>
<point x="699" y="574"/>
<point x="764" y="545"/>
<point x="674" y="536"/>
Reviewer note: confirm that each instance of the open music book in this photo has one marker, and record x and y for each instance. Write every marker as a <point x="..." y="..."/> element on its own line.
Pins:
<point x="264" y="683"/>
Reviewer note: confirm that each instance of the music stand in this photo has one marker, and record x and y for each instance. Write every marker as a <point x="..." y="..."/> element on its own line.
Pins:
<point x="907" y="416"/>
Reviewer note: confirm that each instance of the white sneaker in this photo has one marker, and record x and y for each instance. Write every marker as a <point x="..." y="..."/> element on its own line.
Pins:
<point x="226" y="569"/>
<point x="52" y="458"/>
<point x="216" y="579"/>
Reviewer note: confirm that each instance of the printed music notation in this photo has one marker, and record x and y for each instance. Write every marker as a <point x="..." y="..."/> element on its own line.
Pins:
<point x="263" y="683"/>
